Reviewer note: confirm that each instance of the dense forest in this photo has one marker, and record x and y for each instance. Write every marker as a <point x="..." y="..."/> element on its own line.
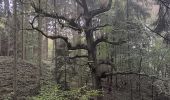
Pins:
<point x="84" y="50"/>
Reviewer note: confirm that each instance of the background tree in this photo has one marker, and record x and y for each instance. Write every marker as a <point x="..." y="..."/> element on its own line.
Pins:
<point x="15" y="51"/>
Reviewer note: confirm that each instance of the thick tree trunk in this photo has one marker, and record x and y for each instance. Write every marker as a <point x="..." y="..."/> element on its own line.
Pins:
<point x="97" y="84"/>
<point x="92" y="59"/>
<point x="87" y="16"/>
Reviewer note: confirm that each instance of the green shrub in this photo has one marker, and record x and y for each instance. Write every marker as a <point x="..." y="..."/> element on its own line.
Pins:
<point x="53" y="92"/>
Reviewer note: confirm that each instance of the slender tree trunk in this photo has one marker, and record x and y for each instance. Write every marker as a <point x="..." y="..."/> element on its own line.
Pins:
<point x="77" y="39"/>
<point x="6" y="38"/>
<point x="7" y="9"/>
<point x="22" y="33"/>
<point x="57" y="76"/>
<point x="15" y="52"/>
<point x="40" y="46"/>
<point x="46" y="43"/>
<point x="45" y="40"/>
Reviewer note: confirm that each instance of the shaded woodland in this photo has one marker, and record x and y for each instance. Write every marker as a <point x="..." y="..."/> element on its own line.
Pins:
<point x="84" y="50"/>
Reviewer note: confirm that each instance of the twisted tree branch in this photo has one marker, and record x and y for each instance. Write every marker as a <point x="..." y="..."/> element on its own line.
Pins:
<point x="71" y="22"/>
<point x="69" y="26"/>
<point x="69" y="46"/>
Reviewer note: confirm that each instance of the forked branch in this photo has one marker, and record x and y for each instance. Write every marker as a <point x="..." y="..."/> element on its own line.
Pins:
<point x="69" y="22"/>
<point x="69" y="46"/>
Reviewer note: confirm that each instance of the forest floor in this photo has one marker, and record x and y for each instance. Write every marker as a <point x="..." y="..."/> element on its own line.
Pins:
<point x="27" y="78"/>
<point x="126" y="88"/>
<point x="130" y="87"/>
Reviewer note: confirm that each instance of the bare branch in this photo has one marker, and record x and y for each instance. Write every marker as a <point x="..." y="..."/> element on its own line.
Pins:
<point x="69" y="26"/>
<point x="78" y="46"/>
<point x="105" y="39"/>
<point x="165" y="4"/>
<point x="71" y="22"/>
<point x="157" y="33"/>
<point x="101" y="10"/>
<point x="46" y="14"/>
<point x="50" y="37"/>
<point x="69" y="46"/>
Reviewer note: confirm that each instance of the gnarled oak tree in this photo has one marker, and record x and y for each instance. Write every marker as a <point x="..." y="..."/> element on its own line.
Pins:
<point x="87" y="29"/>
